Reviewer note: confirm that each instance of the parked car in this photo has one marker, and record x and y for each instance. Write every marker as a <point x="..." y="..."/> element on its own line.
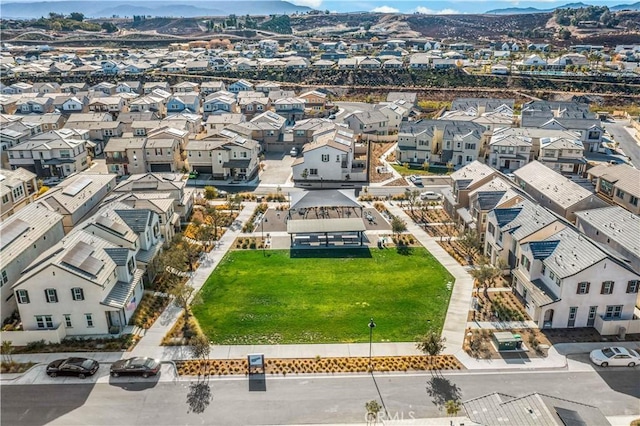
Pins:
<point x="51" y="181"/>
<point x="294" y="152"/>
<point x="430" y="195"/>
<point x="142" y="366"/>
<point x="81" y="367"/>
<point x="615" y="356"/>
<point x="193" y="174"/>
<point x="416" y="180"/>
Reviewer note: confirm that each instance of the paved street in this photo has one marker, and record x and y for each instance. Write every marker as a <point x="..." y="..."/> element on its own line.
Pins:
<point x="301" y="400"/>
<point x="628" y="144"/>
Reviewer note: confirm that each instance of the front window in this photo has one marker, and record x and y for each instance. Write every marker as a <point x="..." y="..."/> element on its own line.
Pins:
<point x="44" y="321"/>
<point x="613" y="311"/>
<point x="52" y="295"/>
<point x="313" y="172"/>
<point x="89" y="318"/>
<point x="607" y="287"/>
<point x="67" y="321"/>
<point x="632" y="286"/>
<point x="325" y="158"/>
<point x="583" y="288"/>
<point x="22" y="296"/>
<point x="77" y="293"/>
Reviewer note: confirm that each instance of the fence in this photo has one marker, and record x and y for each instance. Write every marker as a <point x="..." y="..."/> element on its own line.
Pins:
<point x="608" y="327"/>
<point x="23" y="337"/>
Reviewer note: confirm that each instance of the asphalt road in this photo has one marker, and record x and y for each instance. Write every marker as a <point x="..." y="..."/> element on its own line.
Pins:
<point x="300" y="400"/>
<point x="627" y="142"/>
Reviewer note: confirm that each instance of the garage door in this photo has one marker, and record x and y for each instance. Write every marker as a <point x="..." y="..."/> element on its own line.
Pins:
<point x="203" y="170"/>
<point x="161" y="167"/>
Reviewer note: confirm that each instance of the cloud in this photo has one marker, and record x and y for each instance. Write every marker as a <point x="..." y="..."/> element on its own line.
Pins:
<point x="309" y="3"/>
<point x="385" y="9"/>
<point x="427" y="11"/>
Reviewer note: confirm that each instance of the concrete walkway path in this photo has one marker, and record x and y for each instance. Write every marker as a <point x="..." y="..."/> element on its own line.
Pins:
<point x="455" y="322"/>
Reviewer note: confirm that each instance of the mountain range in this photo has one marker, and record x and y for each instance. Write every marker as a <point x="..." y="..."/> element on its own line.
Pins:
<point x="521" y="10"/>
<point x="186" y="9"/>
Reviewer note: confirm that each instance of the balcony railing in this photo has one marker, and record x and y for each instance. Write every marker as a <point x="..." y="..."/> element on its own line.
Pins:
<point x="117" y="160"/>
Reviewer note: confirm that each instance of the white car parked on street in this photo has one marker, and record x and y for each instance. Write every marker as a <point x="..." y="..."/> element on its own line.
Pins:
<point x="615" y="356"/>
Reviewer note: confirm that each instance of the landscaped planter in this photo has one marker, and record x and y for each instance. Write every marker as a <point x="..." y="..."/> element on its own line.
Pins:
<point x="321" y="365"/>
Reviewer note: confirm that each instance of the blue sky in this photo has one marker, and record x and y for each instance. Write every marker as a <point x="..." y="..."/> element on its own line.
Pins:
<point x="438" y="6"/>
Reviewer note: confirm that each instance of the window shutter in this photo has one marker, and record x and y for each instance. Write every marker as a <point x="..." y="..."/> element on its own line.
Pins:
<point x="578" y="288"/>
<point x="611" y="289"/>
<point x="81" y="294"/>
<point x="55" y="295"/>
<point x="26" y="296"/>
<point x="602" y="289"/>
<point x="588" y="286"/>
<point x="46" y="296"/>
<point x="73" y="295"/>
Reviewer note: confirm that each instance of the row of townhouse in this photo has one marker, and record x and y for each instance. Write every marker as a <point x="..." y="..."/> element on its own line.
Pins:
<point x="564" y="278"/>
<point x="18" y="188"/>
<point x="561" y="135"/>
<point x="568" y="276"/>
<point x="73" y="232"/>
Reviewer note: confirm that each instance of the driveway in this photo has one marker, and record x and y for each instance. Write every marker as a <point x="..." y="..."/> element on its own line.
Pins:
<point x="277" y="170"/>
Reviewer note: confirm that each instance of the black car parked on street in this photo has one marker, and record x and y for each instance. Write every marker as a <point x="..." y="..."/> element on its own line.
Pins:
<point x="81" y="367"/>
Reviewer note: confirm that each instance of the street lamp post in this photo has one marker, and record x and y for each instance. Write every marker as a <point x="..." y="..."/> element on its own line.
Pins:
<point x="264" y="219"/>
<point x="371" y="327"/>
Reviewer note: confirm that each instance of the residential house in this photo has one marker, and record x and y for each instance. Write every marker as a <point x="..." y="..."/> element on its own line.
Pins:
<point x="395" y="114"/>
<point x="23" y="237"/>
<point x="410" y="97"/>
<point x="292" y="109"/>
<point x="129" y="87"/>
<point x="554" y="273"/>
<point x="209" y="87"/>
<point x="95" y="288"/>
<point x="74" y="105"/>
<point x="267" y="87"/>
<point x="314" y="100"/>
<point x="41" y="105"/>
<point x="617" y="184"/>
<point x="615" y="228"/>
<point x="554" y="191"/>
<point x="332" y="161"/>
<point x="217" y="122"/>
<point x="219" y="103"/>
<point x="105" y="87"/>
<point x="54" y="153"/>
<point x="251" y="106"/>
<point x="309" y="130"/>
<point x="150" y="86"/>
<point x="267" y="128"/>
<point x="114" y="105"/>
<point x="48" y="121"/>
<point x="564" y="155"/>
<point x="439" y="142"/>
<point x="161" y="186"/>
<point x="18" y="188"/>
<point x="228" y="156"/>
<point x="185" y="87"/>
<point x="240" y="86"/>
<point x="168" y="219"/>
<point x="76" y="197"/>
<point x="368" y="122"/>
<point x="183" y="102"/>
<point x="164" y="150"/>
<point x="74" y="88"/>
<point x="125" y="156"/>
<point x="154" y="102"/>
<point x="463" y="181"/>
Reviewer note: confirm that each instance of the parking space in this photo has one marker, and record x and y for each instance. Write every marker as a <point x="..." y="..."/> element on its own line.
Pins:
<point x="38" y="376"/>
<point x="277" y="169"/>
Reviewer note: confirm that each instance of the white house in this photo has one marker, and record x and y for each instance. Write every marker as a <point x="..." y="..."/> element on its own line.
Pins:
<point x="23" y="237"/>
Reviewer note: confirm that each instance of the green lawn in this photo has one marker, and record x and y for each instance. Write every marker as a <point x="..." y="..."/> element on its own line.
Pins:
<point x="407" y="171"/>
<point x="321" y="296"/>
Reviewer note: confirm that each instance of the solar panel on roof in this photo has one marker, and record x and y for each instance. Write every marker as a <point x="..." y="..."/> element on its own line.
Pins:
<point x="111" y="224"/>
<point x="79" y="258"/>
<point x="570" y="417"/>
<point x="77" y="186"/>
<point x="144" y="185"/>
<point x="12" y="231"/>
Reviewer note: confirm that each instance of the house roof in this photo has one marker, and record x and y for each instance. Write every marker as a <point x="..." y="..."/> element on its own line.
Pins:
<point x="554" y="186"/>
<point x="472" y="173"/>
<point x="622" y="176"/>
<point x="616" y="224"/>
<point x="122" y="144"/>
<point x="534" y="409"/>
<point x="529" y="218"/>
<point x="122" y="291"/>
<point x="24" y="228"/>
<point x="75" y="191"/>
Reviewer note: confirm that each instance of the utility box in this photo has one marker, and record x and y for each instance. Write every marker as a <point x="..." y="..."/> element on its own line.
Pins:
<point x="506" y="341"/>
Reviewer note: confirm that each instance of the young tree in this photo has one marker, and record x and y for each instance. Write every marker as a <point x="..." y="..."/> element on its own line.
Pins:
<point x="485" y="275"/>
<point x="200" y="348"/>
<point x="234" y="202"/>
<point x="453" y="407"/>
<point x="210" y="192"/>
<point x="398" y="226"/>
<point x="412" y="197"/>
<point x="470" y="243"/>
<point x="109" y="27"/>
<point x="373" y="408"/>
<point x="7" y="350"/>
<point x="431" y="344"/>
<point x="185" y="296"/>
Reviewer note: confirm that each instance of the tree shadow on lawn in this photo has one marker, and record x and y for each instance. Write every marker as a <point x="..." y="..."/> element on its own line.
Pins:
<point x="331" y="253"/>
